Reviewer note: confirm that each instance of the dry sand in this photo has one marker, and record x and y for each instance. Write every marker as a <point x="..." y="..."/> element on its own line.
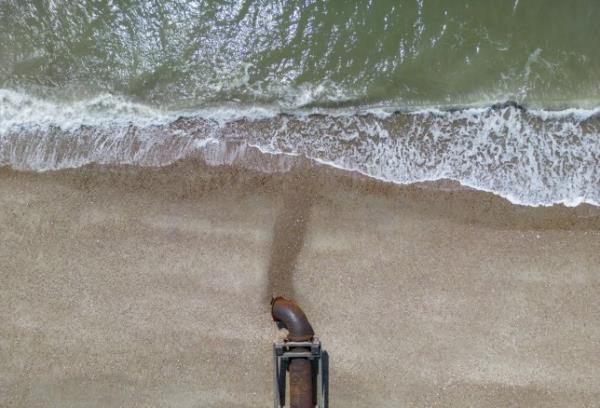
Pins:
<point x="148" y="287"/>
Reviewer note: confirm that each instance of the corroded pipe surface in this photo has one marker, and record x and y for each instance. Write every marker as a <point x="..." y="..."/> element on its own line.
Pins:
<point x="293" y="318"/>
<point x="299" y="329"/>
<point x="301" y="387"/>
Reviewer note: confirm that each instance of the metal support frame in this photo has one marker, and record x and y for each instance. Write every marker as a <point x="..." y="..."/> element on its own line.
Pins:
<point x="320" y="369"/>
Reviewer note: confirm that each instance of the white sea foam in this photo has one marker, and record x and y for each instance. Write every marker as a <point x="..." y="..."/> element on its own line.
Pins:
<point x="21" y="110"/>
<point x="531" y="157"/>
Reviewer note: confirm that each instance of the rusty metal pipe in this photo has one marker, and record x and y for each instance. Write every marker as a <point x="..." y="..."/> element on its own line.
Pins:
<point x="288" y="313"/>
<point x="293" y="318"/>
<point x="301" y="386"/>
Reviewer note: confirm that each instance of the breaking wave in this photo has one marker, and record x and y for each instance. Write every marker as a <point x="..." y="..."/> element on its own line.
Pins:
<point x="530" y="157"/>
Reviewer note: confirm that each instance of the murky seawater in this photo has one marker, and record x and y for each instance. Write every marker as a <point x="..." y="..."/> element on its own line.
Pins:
<point x="404" y="91"/>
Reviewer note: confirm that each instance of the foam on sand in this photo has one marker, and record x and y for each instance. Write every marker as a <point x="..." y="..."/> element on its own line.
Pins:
<point x="530" y="157"/>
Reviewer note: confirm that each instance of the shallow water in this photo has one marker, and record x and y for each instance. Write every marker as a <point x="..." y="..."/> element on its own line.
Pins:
<point x="405" y="53"/>
<point x="106" y="82"/>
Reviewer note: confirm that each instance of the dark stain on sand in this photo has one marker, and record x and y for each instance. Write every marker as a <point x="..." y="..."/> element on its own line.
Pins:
<point x="289" y="232"/>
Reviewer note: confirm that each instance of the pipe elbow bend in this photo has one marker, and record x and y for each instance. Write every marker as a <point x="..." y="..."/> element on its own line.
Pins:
<point x="293" y="318"/>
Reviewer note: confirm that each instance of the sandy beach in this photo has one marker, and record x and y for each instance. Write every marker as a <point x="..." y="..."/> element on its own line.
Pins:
<point x="125" y="286"/>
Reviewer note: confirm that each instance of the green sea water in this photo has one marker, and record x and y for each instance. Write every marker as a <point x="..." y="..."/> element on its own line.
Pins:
<point x="499" y="95"/>
<point x="292" y="53"/>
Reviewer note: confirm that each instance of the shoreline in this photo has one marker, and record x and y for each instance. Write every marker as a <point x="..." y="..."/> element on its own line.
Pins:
<point x="190" y="178"/>
<point x="530" y="160"/>
<point x="149" y="286"/>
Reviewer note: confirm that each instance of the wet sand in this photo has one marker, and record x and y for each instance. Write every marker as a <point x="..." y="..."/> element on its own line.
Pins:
<point x="150" y="287"/>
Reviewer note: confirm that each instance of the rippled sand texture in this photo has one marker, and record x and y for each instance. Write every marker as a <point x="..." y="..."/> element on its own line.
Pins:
<point x="148" y="287"/>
